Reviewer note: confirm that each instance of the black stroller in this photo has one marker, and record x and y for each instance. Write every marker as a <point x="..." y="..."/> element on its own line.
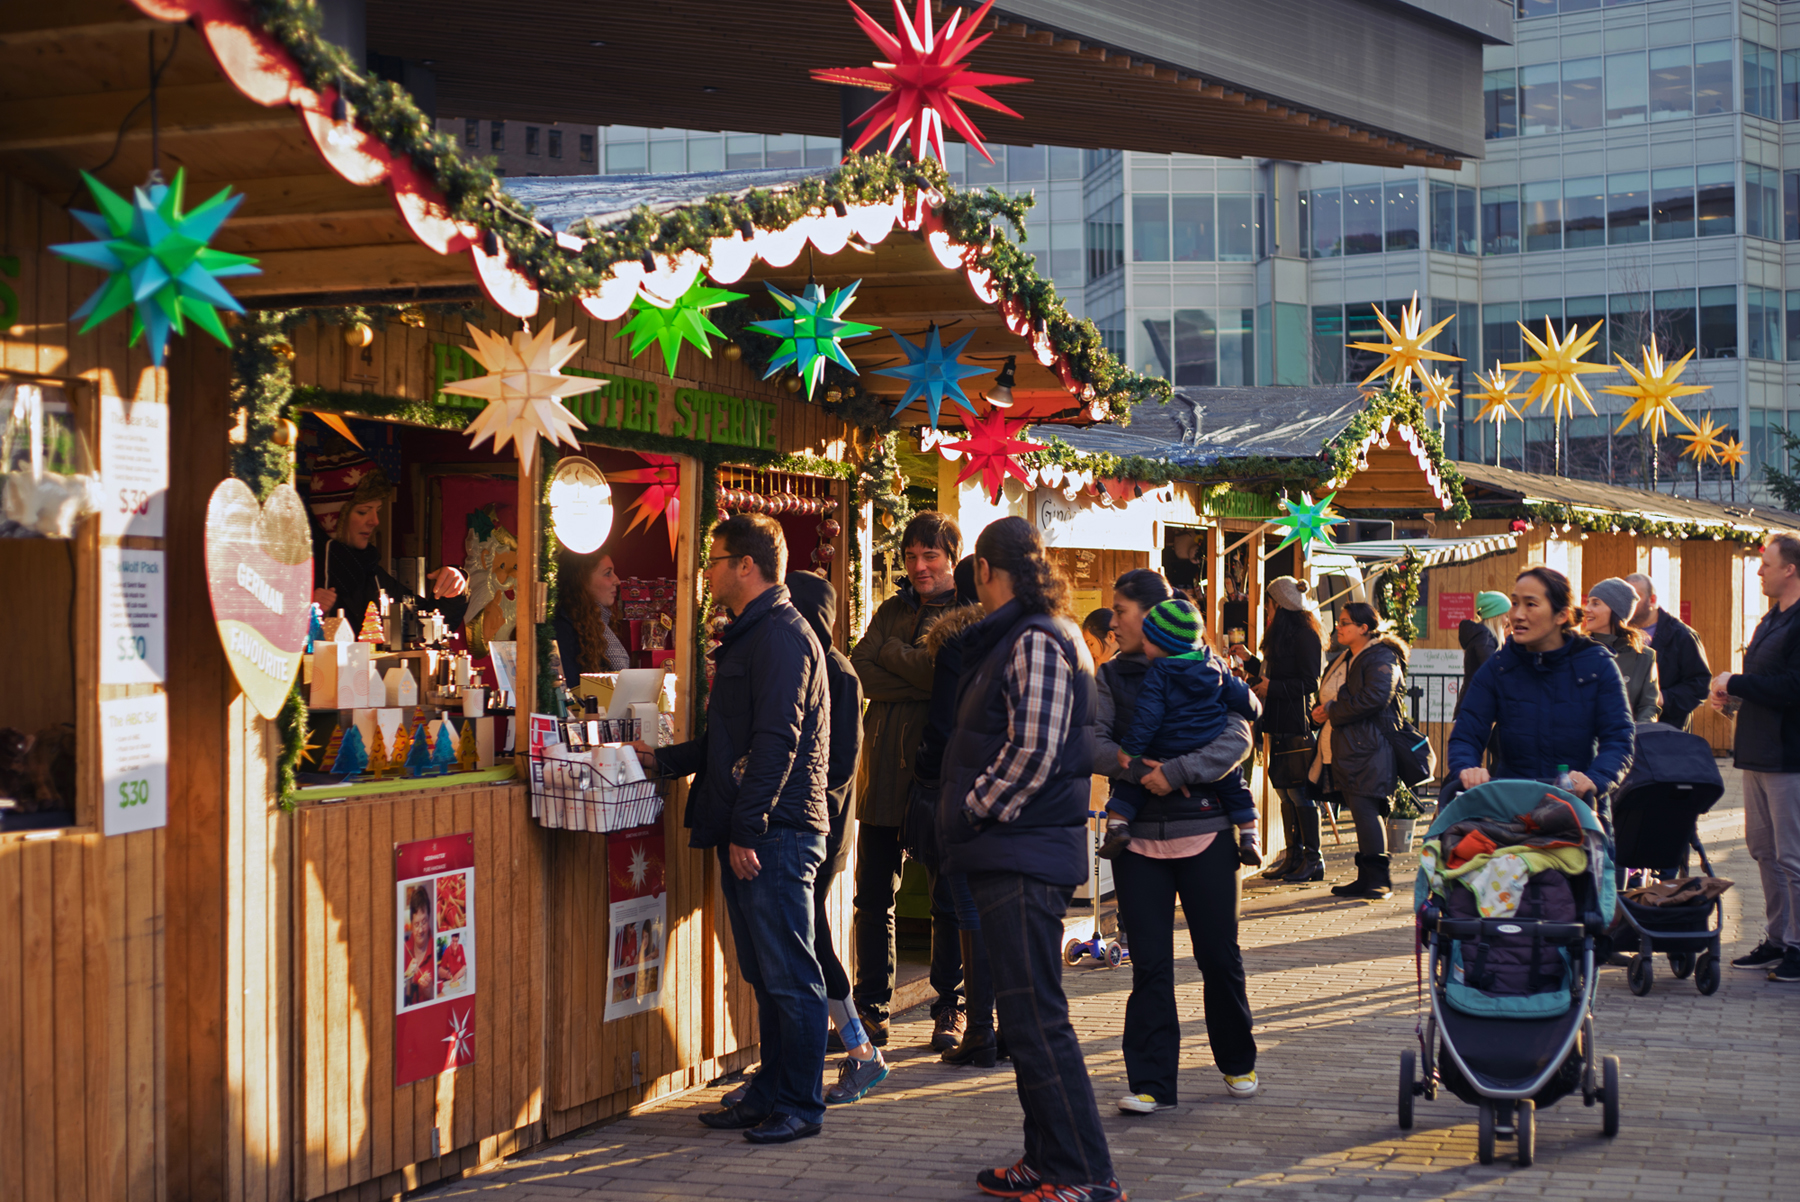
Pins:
<point x="1673" y="780"/>
<point x="1511" y="1039"/>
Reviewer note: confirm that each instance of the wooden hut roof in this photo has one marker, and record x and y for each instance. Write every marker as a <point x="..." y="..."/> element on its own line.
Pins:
<point x="1488" y="486"/>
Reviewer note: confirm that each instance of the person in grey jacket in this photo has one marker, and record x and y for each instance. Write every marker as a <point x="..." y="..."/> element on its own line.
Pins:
<point x="1606" y="618"/>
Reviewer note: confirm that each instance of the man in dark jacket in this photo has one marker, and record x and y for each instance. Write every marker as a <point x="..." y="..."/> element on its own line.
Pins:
<point x="761" y="770"/>
<point x="896" y="672"/>
<point x="1766" y="748"/>
<point x="1681" y="669"/>
<point x="1013" y="817"/>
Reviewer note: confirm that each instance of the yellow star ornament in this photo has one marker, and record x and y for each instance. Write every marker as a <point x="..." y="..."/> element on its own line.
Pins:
<point x="1558" y="368"/>
<point x="1731" y="454"/>
<point x="524" y="389"/>
<point x="1496" y="396"/>
<point x="1438" y="392"/>
<point x="1704" y="443"/>
<point x="1655" y="391"/>
<point x="1405" y="348"/>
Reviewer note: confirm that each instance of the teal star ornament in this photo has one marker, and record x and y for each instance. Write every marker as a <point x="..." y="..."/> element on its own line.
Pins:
<point x="812" y="332"/>
<point x="932" y="372"/>
<point x="1307" y="523"/>
<point x="160" y="264"/>
<point x="682" y="320"/>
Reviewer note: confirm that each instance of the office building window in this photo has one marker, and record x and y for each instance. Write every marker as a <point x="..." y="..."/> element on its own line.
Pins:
<point x="1584" y="212"/>
<point x="1627" y="88"/>
<point x="1106" y="244"/>
<point x="1539" y="316"/>
<point x="1793" y="326"/>
<point x="553" y="143"/>
<point x="1468" y="221"/>
<point x="1112" y="329"/>
<point x="668" y="157"/>
<point x="706" y="154"/>
<point x="1537" y="8"/>
<point x="1402" y="215"/>
<point x="1628" y="207"/>
<point x="1500" y="339"/>
<point x="471" y="133"/>
<point x="1584" y="312"/>
<point x="1237" y="228"/>
<point x="1762" y="443"/>
<point x="1790" y="206"/>
<point x="1712" y="78"/>
<point x="1719" y="322"/>
<point x="980" y="171"/>
<point x="1154" y="353"/>
<point x="1191" y="228"/>
<point x="1027" y="164"/>
<point x="625" y="158"/>
<point x="1671" y="83"/>
<point x="1762" y="307"/>
<point x="1208" y="348"/>
<point x="1540" y="87"/>
<point x="1500" y="221"/>
<point x="1443" y="217"/>
<point x="1328" y="343"/>
<point x="1324" y="222"/>
<point x="1150" y="229"/>
<point x="1761" y="89"/>
<point x="585" y="147"/>
<point x="496" y="135"/>
<point x="1583" y="95"/>
<point x="789" y="150"/>
<point x="1065" y="162"/>
<point x="1065" y="251"/>
<point x="1677" y="322"/>
<point x="1362" y="220"/>
<point x="1542" y="214"/>
<point x="1500" y="99"/>
<point x="1628" y="324"/>
<point x="1762" y="202"/>
<point x="743" y="152"/>
<point x="1790" y="85"/>
<point x="1717" y="199"/>
<point x="531" y="139"/>
<point x="1361" y="325"/>
<point x="1672" y="203"/>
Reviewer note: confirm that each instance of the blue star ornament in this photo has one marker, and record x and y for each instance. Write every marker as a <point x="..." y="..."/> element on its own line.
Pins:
<point x="159" y="262"/>
<point x="812" y="332"/>
<point x="932" y="372"/>
<point x="1307" y="523"/>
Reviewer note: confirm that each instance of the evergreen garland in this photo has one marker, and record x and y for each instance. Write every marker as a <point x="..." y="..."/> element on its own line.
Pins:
<point x="1399" y="589"/>
<point x="882" y="483"/>
<point x="475" y="194"/>
<point x="1557" y="513"/>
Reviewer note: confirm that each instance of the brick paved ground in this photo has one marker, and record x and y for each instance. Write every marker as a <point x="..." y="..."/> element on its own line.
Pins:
<point x="1709" y="1101"/>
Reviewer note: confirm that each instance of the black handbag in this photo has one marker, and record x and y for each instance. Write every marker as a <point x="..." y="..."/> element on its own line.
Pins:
<point x="1290" y="760"/>
<point x="1415" y="760"/>
<point x="918" y="826"/>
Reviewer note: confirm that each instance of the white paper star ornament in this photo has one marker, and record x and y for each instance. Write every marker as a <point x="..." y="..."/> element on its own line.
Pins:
<point x="524" y="389"/>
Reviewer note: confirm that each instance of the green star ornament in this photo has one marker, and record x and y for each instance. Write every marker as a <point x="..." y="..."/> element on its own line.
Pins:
<point x="682" y="320"/>
<point x="160" y="264"/>
<point x="812" y="332"/>
<point x="1307" y="523"/>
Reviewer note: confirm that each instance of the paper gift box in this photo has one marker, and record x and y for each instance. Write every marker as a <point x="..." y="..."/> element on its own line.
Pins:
<point x="399" y="687"/>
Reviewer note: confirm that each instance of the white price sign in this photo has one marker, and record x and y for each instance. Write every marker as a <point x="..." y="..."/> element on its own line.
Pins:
<point x="134" y="763"/>
<point x="133" y="647"/>
<point x="134" y="463"/>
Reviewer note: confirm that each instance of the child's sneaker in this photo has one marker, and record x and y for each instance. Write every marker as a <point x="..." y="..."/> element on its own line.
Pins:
<point x="1241" y="1086"/>
<point x="1118" y="838"/>
<point x="856" y="1078"/>
<point x="1013" y="1182"/>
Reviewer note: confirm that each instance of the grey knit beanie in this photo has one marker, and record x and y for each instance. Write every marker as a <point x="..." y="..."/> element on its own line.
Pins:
<point x="1288" y="592"/>
<point x="1617" y="596"/>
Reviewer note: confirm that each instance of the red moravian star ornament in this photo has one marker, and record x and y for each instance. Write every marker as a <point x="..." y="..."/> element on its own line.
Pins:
<point x="992" y="450"/>
<point x="661" y="499"/>
<point x="924" y="80"/>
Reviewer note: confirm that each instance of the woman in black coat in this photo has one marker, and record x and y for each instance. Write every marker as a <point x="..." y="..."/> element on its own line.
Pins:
<point x="1361" y="758"/>
<point x="1293" y="651"/>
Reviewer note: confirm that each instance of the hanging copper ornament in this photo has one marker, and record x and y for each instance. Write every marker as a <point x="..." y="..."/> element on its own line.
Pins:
<point x="826" y="552"/>
<point x="829" y="529"/>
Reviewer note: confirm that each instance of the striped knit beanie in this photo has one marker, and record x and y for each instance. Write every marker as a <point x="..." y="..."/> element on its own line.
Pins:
<point x="1174" y="625"/>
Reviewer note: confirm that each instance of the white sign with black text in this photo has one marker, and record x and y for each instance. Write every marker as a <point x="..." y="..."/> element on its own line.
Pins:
<point x="133" y="644"/>
<point x="134" y="463"/>
<point x="134" y="763"/>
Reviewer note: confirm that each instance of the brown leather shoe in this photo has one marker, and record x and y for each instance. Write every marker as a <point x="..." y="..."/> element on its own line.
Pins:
<point x="947" y="1031"/>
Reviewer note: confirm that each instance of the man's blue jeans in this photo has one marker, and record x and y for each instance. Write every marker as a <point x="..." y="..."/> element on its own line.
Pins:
<point x="772" y="924"/>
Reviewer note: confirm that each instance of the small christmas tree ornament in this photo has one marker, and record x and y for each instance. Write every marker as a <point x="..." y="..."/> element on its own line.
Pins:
<point x="466" y="750"/>
<point x="401" y="754"/>
<point x="159" y="263"/>
<point x="524" y="389"/>
<point x="932" y="371"/>
<point x="923" y="74"/>
<point x="993" y="451"/>
<point x="669" y="324"/>
<point x="443" y="755"/>
<point x="372" y="630"/>
<point x="812" y="332"/>
<point x="418" y="755"/>
<point x="352" y="757"/>
<point x="378" y="756"/>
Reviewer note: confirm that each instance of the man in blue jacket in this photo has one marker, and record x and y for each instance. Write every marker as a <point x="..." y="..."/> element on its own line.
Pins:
<point x="1766" y="747"/>
<point x="758" y="795"/>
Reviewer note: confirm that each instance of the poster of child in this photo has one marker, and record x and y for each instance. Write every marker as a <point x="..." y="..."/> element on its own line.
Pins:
<point x="624" y="987"/>
<point x="419" y="975"/>
<point x="625" y="946"/>
<point x="650" y="941"/>
<point x="452" y="964"/>
<point x="452" y="902"/>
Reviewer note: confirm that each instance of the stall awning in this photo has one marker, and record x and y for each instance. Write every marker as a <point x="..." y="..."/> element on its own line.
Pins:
<point x="1435" y="552"/>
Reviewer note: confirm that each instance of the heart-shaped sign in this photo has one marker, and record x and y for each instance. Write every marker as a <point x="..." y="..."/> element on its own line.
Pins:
<point x="259" y="573"/>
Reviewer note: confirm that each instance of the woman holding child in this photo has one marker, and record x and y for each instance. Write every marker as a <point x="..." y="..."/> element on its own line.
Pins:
<point x="1176" y="790"/>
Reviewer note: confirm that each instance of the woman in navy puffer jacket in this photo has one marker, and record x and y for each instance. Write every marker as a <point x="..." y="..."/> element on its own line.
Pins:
<point x="1549" y="697"/>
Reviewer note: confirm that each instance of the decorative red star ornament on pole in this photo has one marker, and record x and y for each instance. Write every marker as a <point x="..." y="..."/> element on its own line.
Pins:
<point x="992" y="450"/>
<point x="923" y="81"/>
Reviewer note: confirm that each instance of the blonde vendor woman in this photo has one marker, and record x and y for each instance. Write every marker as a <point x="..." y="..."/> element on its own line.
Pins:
<point x="347" y="572"/>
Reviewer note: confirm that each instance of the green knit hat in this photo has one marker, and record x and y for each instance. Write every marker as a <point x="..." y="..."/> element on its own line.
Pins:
<point x="1174" y="625"/>
<point x="1491" y="605"/>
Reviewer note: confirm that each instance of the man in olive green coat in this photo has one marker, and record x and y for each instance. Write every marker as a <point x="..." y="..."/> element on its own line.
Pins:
<point x="895" y="668"/>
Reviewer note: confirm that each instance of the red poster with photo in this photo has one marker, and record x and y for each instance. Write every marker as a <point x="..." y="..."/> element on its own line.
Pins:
<point x="434" y="997"/>
<point x="638" y="920"/>
<point x="1455" y="608"/>
<point x="1687" y="612"/>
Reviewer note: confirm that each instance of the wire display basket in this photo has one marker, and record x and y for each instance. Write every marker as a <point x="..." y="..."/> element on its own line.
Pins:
<point x="572" y="789"/>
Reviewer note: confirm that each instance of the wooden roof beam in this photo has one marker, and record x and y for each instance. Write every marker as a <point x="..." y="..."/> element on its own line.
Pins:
<point x="44" y="123"/>
<point x="66" y="20"/>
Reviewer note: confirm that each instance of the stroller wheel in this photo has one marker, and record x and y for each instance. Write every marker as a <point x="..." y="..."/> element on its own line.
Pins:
<point x="1073" y="950"/>
<point x="1609" y="1097"/>
<point x="1641" y="976"/>
<point x="1484" y="1132"/>
<point x="1525" y="1129"/>
<point x="1408" y="1064"/>
<point x="1706" y="974"/>
<point x="1681" y="964"/>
